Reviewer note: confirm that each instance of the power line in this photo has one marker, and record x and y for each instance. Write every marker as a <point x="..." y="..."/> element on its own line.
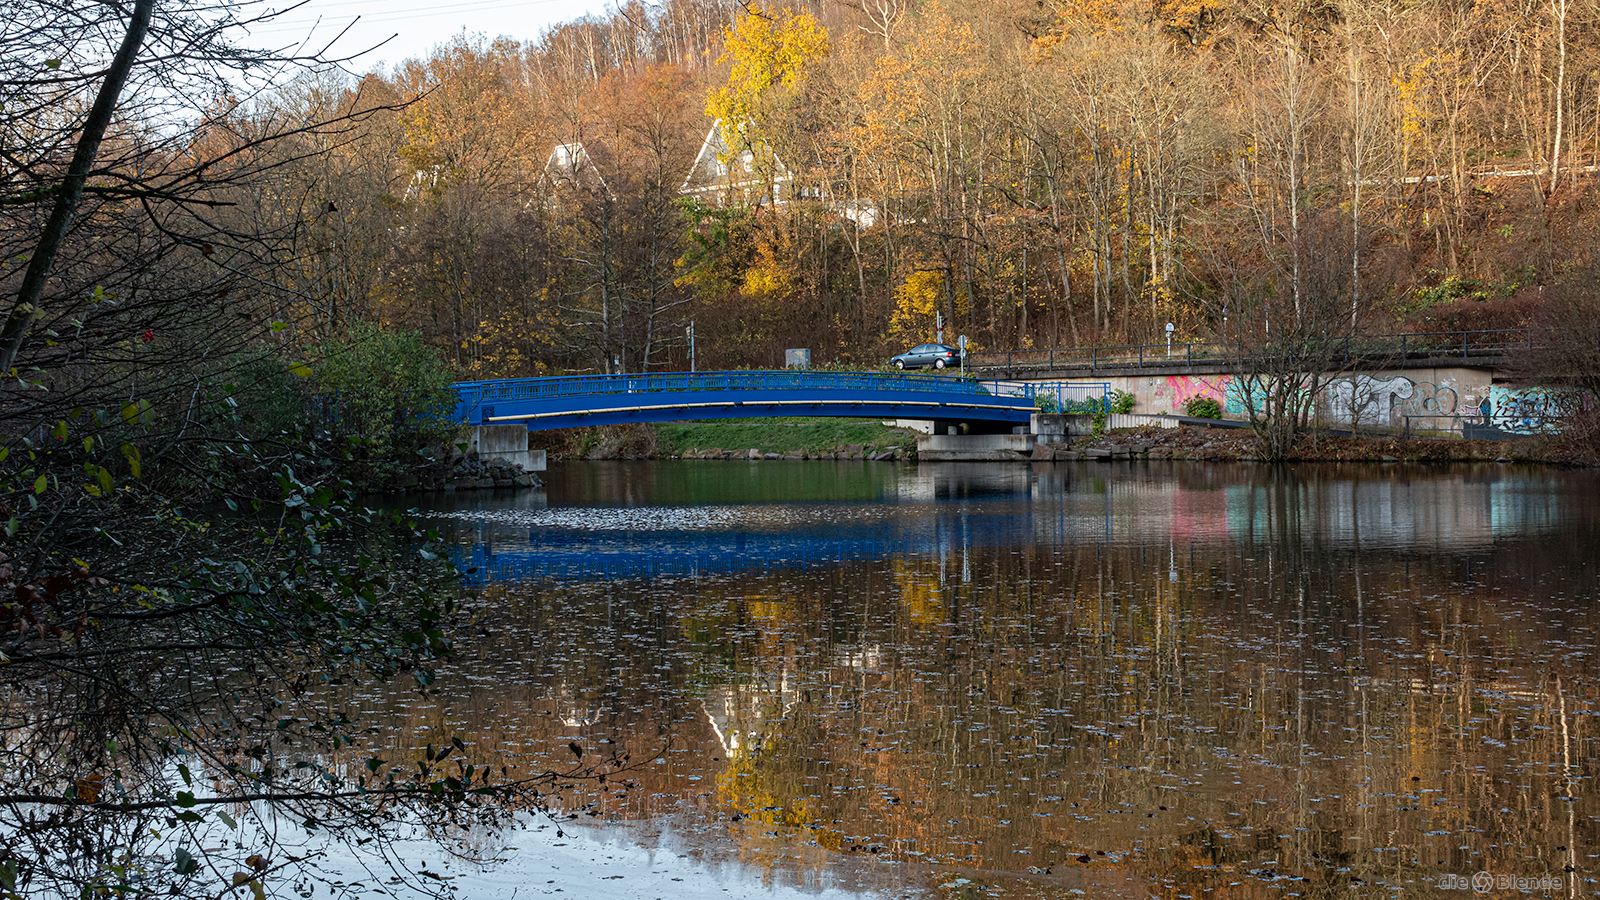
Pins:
<point x="379" y="20"/>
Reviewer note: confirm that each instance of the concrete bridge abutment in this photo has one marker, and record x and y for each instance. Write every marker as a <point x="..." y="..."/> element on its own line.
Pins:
<point x="507" y="442"/>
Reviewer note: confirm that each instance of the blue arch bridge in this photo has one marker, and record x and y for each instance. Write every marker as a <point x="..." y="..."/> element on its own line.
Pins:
<point x="575" y="401"/>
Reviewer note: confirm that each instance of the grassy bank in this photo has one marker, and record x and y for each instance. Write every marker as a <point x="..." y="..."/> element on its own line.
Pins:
<point x="812" y="437"/>
<point x="786" y="435"/>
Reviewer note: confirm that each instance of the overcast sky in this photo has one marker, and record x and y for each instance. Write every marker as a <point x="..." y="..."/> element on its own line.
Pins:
<point x="411" y="27"/>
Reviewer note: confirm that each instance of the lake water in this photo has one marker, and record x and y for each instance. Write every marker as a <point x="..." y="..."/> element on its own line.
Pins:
<point x="1109" y="680"/>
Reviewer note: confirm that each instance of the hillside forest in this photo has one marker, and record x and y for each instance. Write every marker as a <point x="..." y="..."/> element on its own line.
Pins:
<point x="238" y="283"/>
<point x="1035" y="173"/>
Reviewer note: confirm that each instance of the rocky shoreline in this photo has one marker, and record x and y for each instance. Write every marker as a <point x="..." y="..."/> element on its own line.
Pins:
<point x="450" y="470"/>
<point x="1237" y="445"/>
<point x="1190" y="442"/>
<point x="843" y="451"/>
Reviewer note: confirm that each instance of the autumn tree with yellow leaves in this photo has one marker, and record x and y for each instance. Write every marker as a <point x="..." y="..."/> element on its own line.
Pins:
<point x="1079" y="172"/>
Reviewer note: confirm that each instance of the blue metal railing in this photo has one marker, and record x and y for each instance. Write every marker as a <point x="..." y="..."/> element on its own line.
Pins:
<point x="502" y="390"/>
<point x="879" y="386"/>
<point x="1071" y="397"/>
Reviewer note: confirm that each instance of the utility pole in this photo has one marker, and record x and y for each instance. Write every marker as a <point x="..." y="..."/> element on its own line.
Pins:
<point x="690" y="331"/>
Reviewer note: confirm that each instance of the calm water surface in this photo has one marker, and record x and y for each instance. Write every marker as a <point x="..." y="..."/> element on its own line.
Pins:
<point x="1008" y="681"/>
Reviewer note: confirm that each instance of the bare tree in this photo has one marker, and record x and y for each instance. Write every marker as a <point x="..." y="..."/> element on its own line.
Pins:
<point x="149" y="379"/>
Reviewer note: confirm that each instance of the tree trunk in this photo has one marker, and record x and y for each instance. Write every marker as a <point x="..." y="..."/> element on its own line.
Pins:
<point x="71" y="191"/>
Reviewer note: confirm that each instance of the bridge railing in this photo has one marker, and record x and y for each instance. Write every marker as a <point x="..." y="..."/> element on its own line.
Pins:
<point x="500" y="391"/>
<point x="1057" y="396"/>
<point x="1437" y="345"/>
<point x="1053" y="397"/>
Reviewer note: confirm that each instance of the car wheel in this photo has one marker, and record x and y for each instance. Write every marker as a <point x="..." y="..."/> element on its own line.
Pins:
<point x="899" y="364"/>
<point x="938" y="364"/>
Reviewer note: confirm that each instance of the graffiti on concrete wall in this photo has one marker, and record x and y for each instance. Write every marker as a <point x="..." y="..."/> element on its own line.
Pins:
<point x="1183" y="388"/>
<point x="1365" y="400"/>
<point x="1239" y="400"/>
<point x="1527" y="410"/>
<point x="1429" y="399"/>
<point x="1180" y="389"/>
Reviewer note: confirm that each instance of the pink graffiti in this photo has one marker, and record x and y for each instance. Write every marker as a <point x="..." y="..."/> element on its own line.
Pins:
<point x="1182" y="388"/>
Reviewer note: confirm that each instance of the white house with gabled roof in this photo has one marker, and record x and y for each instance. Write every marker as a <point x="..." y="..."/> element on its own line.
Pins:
<point x="724" y="176"/>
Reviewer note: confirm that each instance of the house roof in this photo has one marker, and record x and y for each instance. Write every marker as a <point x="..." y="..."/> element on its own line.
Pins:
<point x="571" y="165"/>
<point x="717" y="168"/>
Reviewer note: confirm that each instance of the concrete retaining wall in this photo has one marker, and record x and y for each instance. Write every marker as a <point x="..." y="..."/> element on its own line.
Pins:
<point x="1052" y="428"/>
<point x="1434" y="398"/>
<point x="507" y="442"/>
<point x="974" y="447"/>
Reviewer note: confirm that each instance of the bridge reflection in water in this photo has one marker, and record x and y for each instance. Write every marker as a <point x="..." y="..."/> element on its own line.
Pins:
<point x="758" y="521"/>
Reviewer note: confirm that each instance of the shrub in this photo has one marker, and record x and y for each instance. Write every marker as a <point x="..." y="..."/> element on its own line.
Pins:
<point x="1203" y="408"/>
<point x="1116" y="402"/>
<point x="385" y="394"/>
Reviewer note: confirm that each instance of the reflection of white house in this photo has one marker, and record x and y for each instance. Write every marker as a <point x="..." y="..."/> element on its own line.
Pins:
<point x="738" y="713"/>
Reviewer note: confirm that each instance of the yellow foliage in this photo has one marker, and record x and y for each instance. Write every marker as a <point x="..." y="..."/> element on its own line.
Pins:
<point x="501" y="347"/>
<point x="769" y="54"/>
<point x="921" y="594"/>
<point x="767" y="279"/>
<point x="915" y="305"/>
<point x="770" y="276"/>
<point x="743" y="786"/>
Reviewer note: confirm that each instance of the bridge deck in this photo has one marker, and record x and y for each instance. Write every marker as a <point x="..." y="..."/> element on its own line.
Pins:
<point x="572" y="401"/>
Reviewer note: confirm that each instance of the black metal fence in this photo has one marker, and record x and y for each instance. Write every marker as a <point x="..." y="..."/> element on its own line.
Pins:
<point x="1441" y="346"/>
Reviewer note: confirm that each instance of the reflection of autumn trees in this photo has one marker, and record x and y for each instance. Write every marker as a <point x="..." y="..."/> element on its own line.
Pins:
<point x="1273" y="708"/>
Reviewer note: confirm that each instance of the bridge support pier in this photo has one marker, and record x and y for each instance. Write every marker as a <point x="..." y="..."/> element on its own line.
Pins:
<point x="974" y="447"/>
<point x="507" y="442"/>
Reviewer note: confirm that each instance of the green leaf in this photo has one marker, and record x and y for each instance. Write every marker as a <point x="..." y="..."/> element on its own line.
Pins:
<point x="183" y="771"/>
<point x="279" y="326"/>
<point x="59" y="432"/>
<point x="227" y="820"/>
<point x="39" y="484"/>
<point x="131" y="454"/>
<point x="184" y="862"/>
<point x="301" y="369"/>
<point x="103" y="475"/>
<point x="52" y="64"/>
<point x="130" y="413"/>
<point x="11" y="526"/>
<point x="185" y="799"/>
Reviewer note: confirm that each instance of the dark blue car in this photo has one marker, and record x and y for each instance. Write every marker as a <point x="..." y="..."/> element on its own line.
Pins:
<point x="937" y="355"/>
